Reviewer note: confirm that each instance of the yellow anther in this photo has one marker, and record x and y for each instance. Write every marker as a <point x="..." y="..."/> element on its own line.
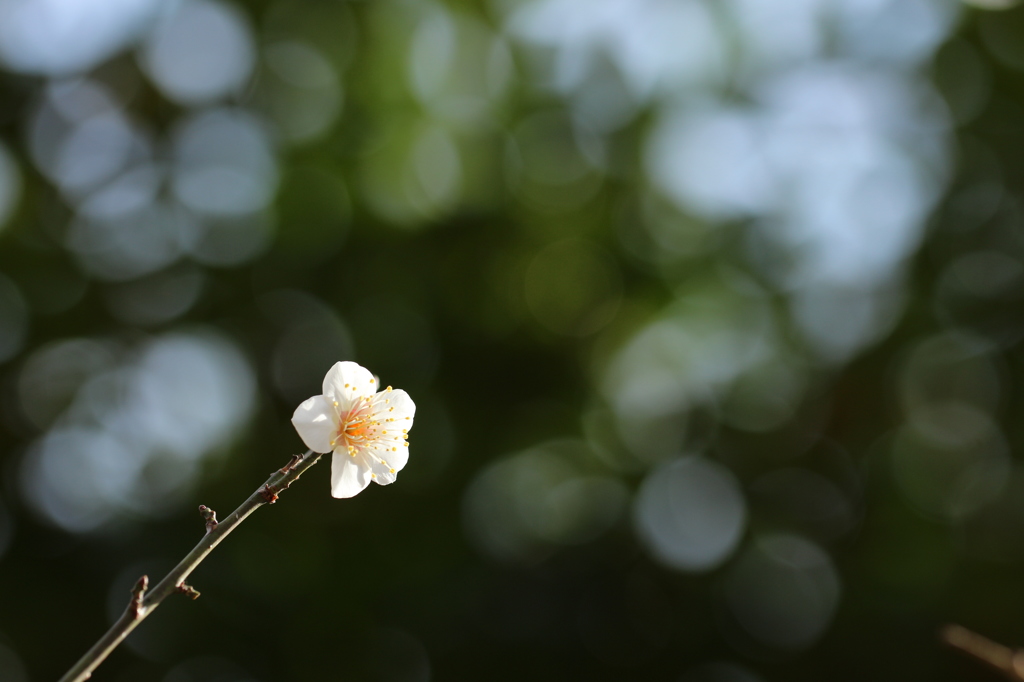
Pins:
<point x="406" y="443"/>
<point x="391" y="409"/>
<point x="388" y="388"/>
<point x="335" y="403"/>
<point x="371" y="381"/>
<point x="346" y="385"/>
<point x="373" y="475"/>
<point x="392" y="470"/>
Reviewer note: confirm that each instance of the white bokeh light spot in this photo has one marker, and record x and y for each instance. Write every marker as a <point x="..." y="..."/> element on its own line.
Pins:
<point x="691" y="514"/>
<point x="61" y="37"/>
<point x="200" y="52"/>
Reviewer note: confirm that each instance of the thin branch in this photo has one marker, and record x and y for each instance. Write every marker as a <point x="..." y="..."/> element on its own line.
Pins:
<point x="1010" y="662"/>
<point x="143" y="603"/>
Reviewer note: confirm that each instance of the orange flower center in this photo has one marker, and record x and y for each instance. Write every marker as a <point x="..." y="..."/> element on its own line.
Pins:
<point x="356" y="427"/>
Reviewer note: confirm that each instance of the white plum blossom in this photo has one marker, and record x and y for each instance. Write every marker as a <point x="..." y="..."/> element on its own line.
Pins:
<point x="366" y="429"/>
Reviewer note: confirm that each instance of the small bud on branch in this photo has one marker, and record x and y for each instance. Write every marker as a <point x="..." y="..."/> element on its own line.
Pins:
<point x="269" y="494"/>
<point x="138" y="592"/>
<point x="210" y="516"/>
<point x="188" y="591"/>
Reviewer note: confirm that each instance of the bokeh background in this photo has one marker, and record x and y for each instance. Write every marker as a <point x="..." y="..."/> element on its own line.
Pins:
<point x="711" y="310"/>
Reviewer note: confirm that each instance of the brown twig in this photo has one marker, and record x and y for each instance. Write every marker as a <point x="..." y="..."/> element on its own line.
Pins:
<point x="1010" y="662"/>
<point x="143" y="603"/>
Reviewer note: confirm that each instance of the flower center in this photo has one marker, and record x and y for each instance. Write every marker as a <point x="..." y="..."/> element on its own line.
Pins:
<point x="357" y="427"/>
<point x="355" y="430"/>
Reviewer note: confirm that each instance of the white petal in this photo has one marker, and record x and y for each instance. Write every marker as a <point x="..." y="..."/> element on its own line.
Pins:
<point x="395" y="453"/>
<point x="317" y="423"/>
<point x="349" y="475"/>
<point x="347" y="381"/>
<point x="384" y="473"/>
<point x="395" y="408"/>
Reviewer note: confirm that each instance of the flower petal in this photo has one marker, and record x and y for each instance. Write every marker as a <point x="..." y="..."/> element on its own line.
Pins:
<point x="347" y="381"/>
<point x="390" y="455"/>
<point x="384" y="473"/>
<point x="317" y="423"/>
<point x="349" y="475"/>
<point x="397" y="399"/>
<point x="403" y="404"/>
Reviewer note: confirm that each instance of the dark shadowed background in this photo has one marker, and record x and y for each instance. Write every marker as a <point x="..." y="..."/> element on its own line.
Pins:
<point x="711" y="309"/>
